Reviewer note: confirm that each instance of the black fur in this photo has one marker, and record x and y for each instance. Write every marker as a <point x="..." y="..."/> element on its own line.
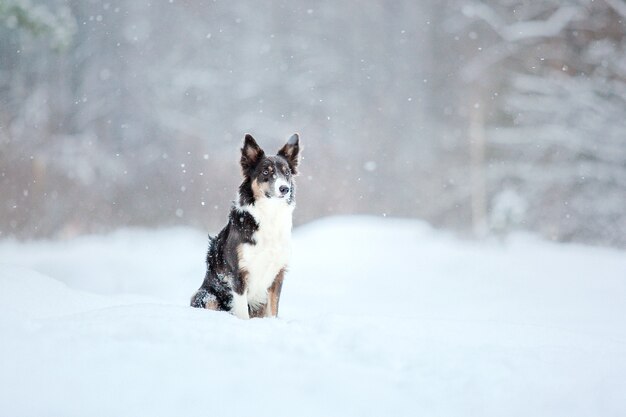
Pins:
<point x="246" y="196"/>
<point x="223" y="273"/>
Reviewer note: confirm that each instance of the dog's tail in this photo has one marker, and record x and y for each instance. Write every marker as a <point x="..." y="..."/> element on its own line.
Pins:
<point x="211" y="240"/>
<point x="208" y="252"/>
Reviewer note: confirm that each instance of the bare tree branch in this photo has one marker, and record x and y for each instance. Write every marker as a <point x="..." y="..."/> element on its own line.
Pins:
<point x="618" y="5"/>
<point x="530" y="29"/>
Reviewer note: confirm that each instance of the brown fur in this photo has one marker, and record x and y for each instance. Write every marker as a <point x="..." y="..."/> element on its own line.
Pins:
<point x="259" y="312"/>
<point x="259" y="189"/>
<point x="273" y="295"/>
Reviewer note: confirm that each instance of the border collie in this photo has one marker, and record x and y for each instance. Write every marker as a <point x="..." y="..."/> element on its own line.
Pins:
<point x="247" y="260"/>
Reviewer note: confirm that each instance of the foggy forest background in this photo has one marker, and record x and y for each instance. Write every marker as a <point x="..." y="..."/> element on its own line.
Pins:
<point x="479" y="117"/>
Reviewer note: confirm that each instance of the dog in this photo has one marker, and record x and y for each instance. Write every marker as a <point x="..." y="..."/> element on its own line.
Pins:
<point x="247" y="261"/>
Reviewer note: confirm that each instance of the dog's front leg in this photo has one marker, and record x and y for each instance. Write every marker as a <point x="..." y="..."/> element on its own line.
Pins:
<point x="259" y="312"/>
<point x="240" y="305"/>
<point x="273" y="295"/>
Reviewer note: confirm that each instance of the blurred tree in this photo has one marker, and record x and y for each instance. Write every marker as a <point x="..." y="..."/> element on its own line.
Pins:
<point x="556" y="134"/>
<point x="468" y="114"/>
<point x="57" y="25"/>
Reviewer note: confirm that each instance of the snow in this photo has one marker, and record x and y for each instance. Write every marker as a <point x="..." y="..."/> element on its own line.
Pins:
<point x="378" y="317"/>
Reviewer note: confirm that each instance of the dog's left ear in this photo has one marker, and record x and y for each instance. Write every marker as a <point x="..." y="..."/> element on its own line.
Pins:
<point x="251" y="154"/>
<point x="291" y="151"/>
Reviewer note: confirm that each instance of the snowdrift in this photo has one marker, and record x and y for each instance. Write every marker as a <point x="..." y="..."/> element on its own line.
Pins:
<point x="378" y="317"/>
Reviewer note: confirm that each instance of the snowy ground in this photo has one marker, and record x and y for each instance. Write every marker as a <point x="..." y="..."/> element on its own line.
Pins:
<point x="378" y="318"/>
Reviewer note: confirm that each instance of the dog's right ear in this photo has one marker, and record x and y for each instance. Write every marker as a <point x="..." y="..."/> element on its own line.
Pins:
<point x="251" y="154"/>
<point x="290" y="152"/>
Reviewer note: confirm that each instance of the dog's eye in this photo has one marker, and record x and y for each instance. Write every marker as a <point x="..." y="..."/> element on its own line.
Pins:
<point x="266" y="172"/>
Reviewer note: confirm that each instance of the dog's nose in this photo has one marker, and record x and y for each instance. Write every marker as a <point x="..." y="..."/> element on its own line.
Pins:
<point x="283" y="189"/>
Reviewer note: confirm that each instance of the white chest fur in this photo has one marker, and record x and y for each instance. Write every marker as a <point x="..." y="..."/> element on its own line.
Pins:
<point x="271" y="253"/>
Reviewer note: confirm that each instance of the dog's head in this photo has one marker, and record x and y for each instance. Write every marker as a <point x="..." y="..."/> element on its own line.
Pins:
<point x="269" y="176"/>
